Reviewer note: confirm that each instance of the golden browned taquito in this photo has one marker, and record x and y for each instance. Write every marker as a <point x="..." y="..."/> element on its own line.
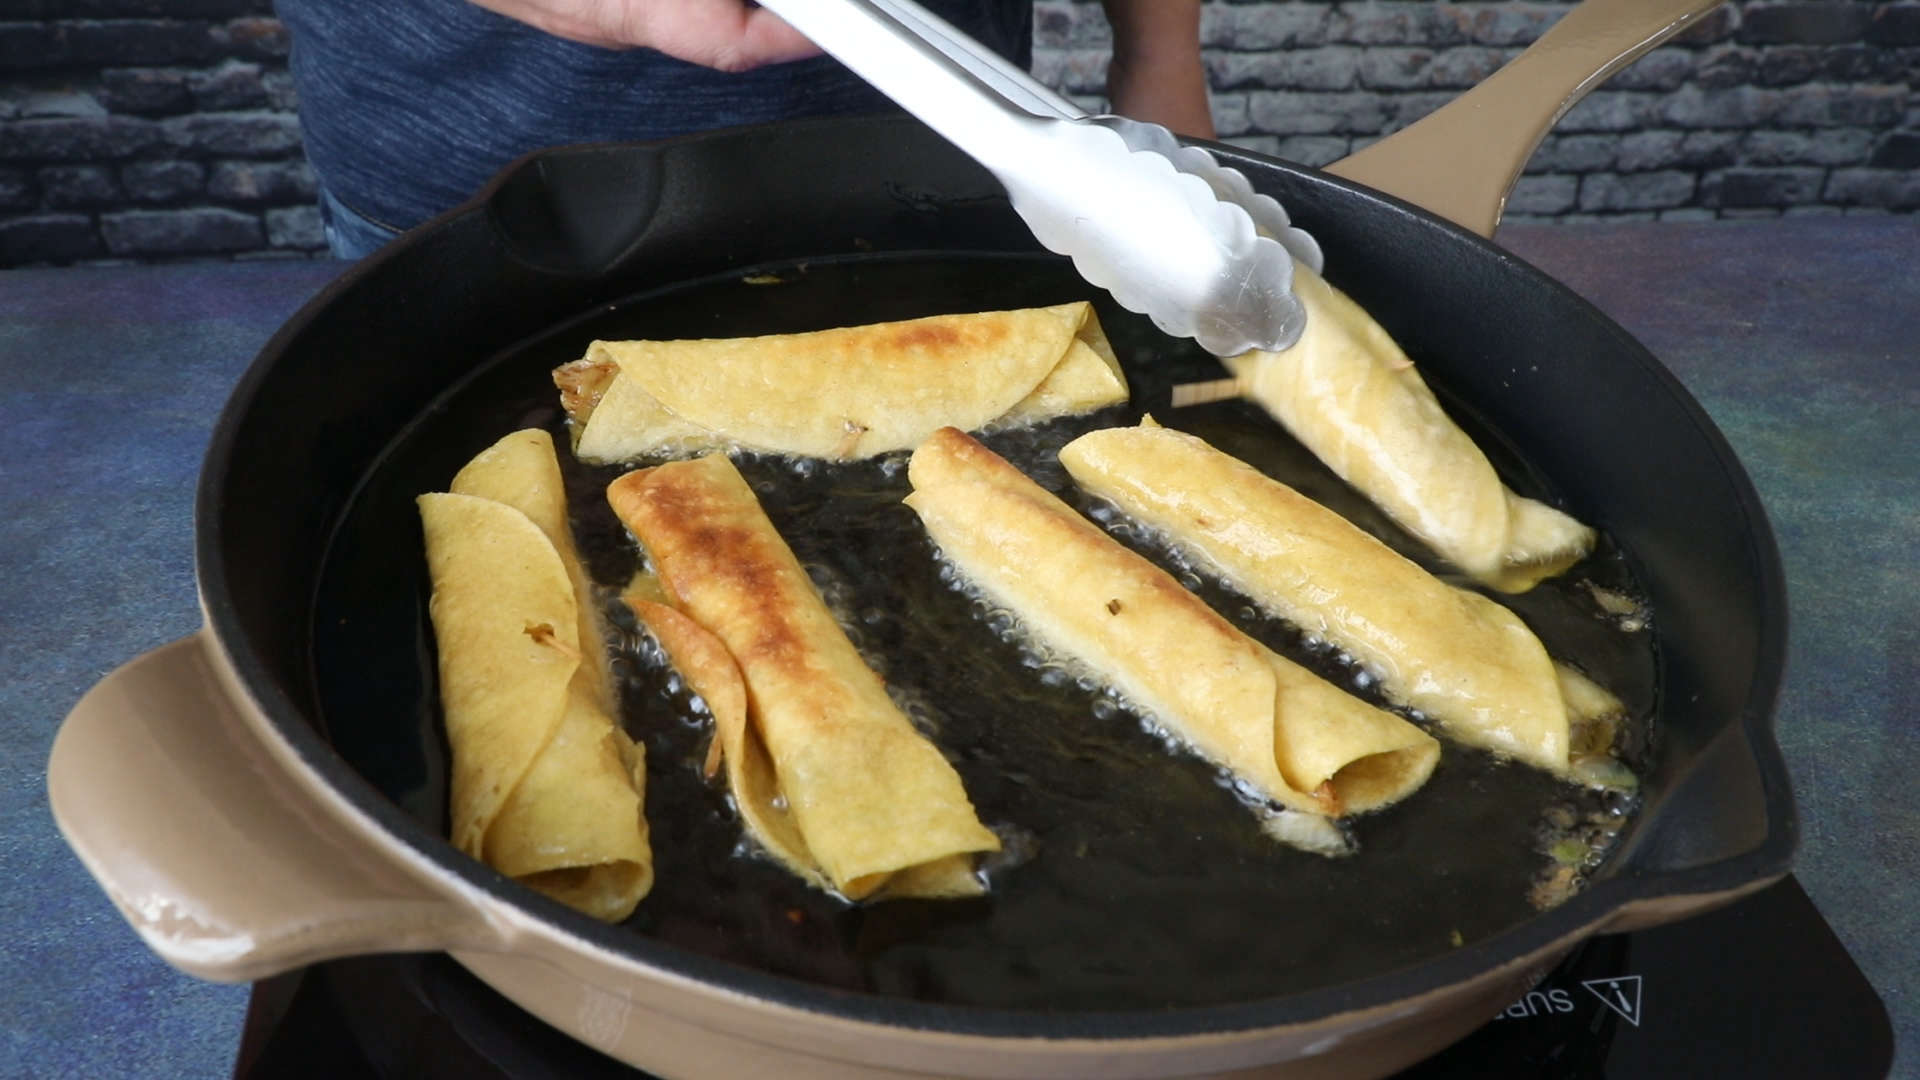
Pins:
<point x="1295" y="738"/>
<point x="546" y="787"/>
<point x="1350" y="395"/>
<point x="845" y="393"/>
<point x="830" y="775"/>
<point x="1462" y="659"/>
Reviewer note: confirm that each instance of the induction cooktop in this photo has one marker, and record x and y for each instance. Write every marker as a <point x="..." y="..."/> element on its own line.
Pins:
<point x="1759" y="989"/>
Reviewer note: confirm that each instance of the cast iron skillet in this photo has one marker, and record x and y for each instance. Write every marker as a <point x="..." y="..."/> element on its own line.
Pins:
<point x="582" y="230"/>
<point x="239" y="840"/>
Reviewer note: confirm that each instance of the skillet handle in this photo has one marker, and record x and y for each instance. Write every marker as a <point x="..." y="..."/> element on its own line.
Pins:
<point x="1727" y="828"/>
<point x="212" y="849"/>
<point x="1461" y="161"/>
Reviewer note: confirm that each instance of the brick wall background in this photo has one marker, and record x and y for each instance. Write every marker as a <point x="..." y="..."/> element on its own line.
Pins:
<point x="167" y="129"/>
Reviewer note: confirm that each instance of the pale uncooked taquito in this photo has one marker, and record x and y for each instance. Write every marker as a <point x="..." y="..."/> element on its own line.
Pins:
<point x="1352" y="397"/>
<point x="830" y="776"/>
<point x="545" y="787"/>
<point x="845" y="393"/>
<point x="1296" y="739"/>
<point x="1466" y="662"/>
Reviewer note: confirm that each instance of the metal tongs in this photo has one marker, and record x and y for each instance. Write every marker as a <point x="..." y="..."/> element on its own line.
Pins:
<point x="1165" y="228"/>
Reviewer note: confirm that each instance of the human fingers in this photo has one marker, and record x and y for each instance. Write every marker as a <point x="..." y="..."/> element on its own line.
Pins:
<point x="728" y="35"/>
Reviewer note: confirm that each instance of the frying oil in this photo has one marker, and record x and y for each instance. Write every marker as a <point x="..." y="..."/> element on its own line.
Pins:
<point x="1135" y="874"/>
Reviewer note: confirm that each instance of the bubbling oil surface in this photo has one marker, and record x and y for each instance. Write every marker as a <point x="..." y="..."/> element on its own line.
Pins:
<point x="1134" y="875"/>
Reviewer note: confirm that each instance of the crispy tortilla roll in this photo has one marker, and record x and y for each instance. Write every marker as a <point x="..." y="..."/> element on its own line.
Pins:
<point x="546" y="787"/>
<point x="831" y="777"/>
<point x="841" y="394"/>
<point x="1463" y="660"/>
<point x="1350" y="395"/>
<point x="1298" y="740"/>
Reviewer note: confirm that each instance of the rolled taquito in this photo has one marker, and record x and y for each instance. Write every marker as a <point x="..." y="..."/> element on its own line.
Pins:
<point x="1466" y="662"/>
<point x="545" y="786"/>
<point x="844" y="393"/>
<point x="1298" y="740"/>
<point x="1349" y="393"/>
<point x="831" y="777"/>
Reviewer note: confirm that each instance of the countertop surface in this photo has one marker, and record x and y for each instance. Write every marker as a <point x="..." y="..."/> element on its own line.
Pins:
<point x="1801" y="337"/>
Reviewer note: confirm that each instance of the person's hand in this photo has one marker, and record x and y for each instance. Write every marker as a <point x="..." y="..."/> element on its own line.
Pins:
<point x="729" y="35"/>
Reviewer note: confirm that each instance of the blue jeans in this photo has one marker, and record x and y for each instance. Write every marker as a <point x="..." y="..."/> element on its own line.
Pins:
<point x="350" y="234"/>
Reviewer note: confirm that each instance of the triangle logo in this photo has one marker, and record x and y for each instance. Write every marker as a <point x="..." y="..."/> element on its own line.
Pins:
<point x="1621" y="993"/>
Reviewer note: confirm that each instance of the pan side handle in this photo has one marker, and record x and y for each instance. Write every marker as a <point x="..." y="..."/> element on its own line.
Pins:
<point x="212" y="849"/>
<point x="1461" y="161"/>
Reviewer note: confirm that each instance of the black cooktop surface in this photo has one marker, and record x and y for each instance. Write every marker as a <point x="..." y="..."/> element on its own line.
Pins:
<point x="1759" y="989"/>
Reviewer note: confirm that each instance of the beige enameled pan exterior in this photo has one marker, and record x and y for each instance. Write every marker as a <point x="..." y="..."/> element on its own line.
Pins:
<point x="234" y="859"/>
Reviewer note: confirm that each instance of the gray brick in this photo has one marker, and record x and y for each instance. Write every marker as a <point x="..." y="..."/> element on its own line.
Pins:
<point x="1641" y="151"/>
<point x="296" y="227"/>
<point x="1635" y="191"/>
<point x="1812" y="211"/>
<point x="1394" y="68"/>
<point x="1869" y="63"/>
<point x="234" y="134"/>
<point x="139" y="41"/>
<point x="1268" y="145"/>
<point x="1786" y="65"/>
<point x="1404" y="109"/>
<point x="1511" y="23"/>
<point x="196" y="231"/>
<point x="280" y="92"/>
<point x="1825" y="105"/>
<point x="173" y="9"/>
<point x="1744" y="106"/>
<point x="1895" y="24"/>
<point x="1292" y="113"/>
<point x="147" y="91"/>
<point x="75" y="104"/>
<point x="1750" y="213"/>
<point x="78" y="187"/>
<point x="34" y="46"/>
<point x="1574" y="154"/>
<point x="47" y="238"/>
<point x="1828" y="146"/>
<point x="1467" y="66"/>
<point x="1887" y="189"/>
<point x="1823" y="22"/>
<point x="1553" y="194"/>
<point x="1399" y="22"/>
<point x="1897" y="150"/>
<point x="77" y="139"/>
<point x="1331" y="68"/>
<point x="1061" y="24"/>
<point x="1264" y="26"/>
<point x="157" y="183"/>
<point x="1714" y="26"/>
<point x="1075" y="71"/>
<point x="1750" y="187"/>
<point x="234" y="84"/>
<point x="1725" y="67"/>
<point x="256" y="38"/>
<point x="1663" y="70"/>
<point x="1690" y="215"/>
<point x="1314" y="150"/>
<point x="1708" y="149"/>
<point x="17" y="191"/>
<point x="1611" y="110"/>
<point x="261" y="182"/>
<point x="1230" y="114"/>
